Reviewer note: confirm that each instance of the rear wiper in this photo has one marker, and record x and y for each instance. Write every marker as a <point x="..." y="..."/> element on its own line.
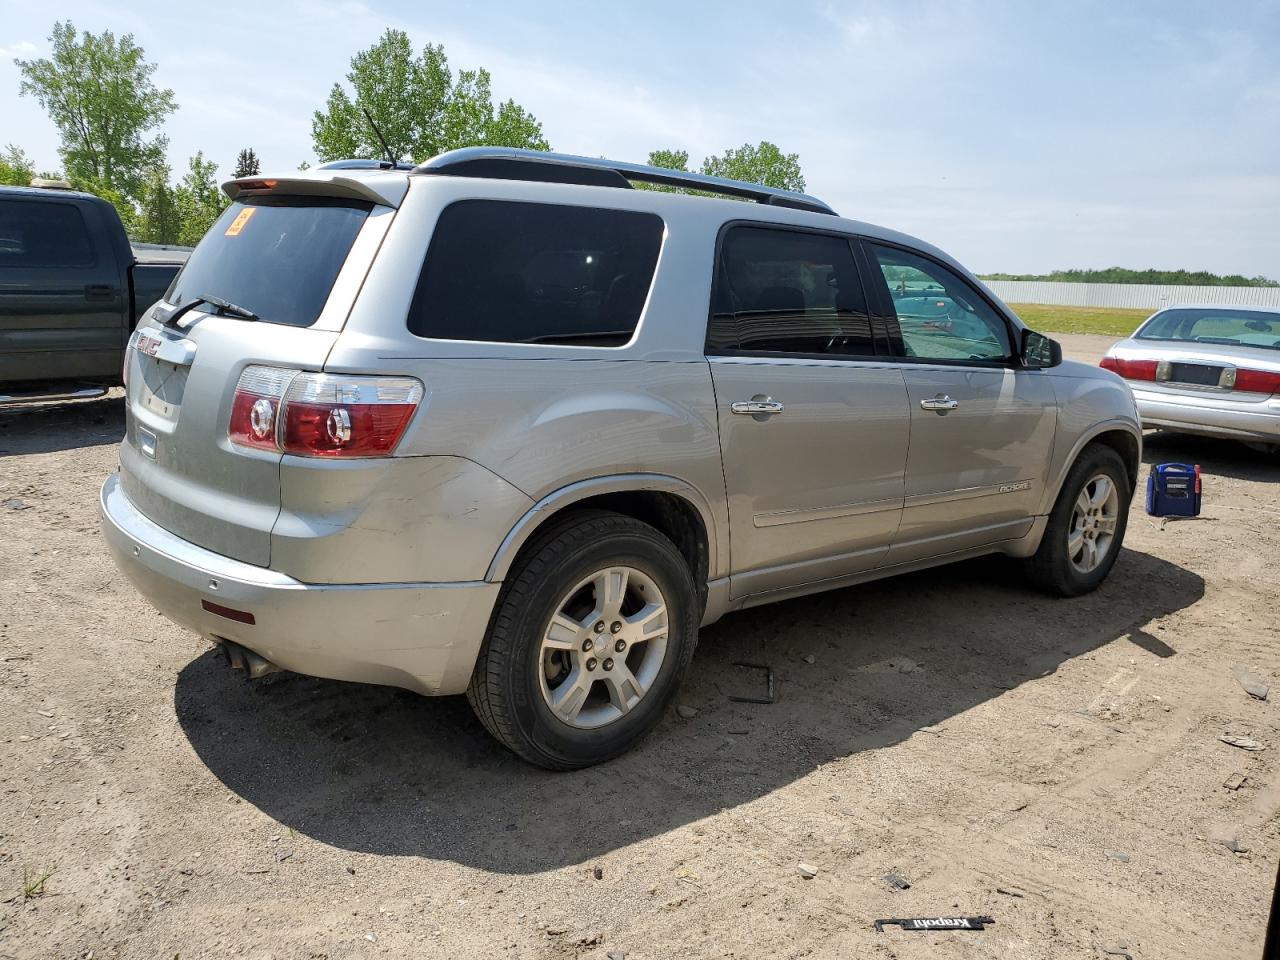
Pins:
<point x="221" y="307"/>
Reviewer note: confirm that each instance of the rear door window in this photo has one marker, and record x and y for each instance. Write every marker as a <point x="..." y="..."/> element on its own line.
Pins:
<point x="36" y="233"/>
<point x="508" y="272"/>
<point x="275" y="256"/>
<point x="787" y="292"/>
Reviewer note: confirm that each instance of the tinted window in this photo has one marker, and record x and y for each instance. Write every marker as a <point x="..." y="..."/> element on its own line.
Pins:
<point x="779" y="291"/>
<point x="38" y="234"/>
<point x="941" y="317"/>
<point x="275" y="256"/>
<point x="1252" y="328"/>
<point x="510" y="272"/>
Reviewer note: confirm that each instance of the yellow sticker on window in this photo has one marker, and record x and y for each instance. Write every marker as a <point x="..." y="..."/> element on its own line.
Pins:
<point x="241" y="219"/>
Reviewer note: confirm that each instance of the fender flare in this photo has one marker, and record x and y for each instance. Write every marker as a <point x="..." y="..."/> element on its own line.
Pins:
<point x="1095" y="431"/>
<point x="565" y="496"/>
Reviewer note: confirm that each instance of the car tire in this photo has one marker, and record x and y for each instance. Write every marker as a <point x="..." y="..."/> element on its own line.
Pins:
<point x="1064" y="564"/>
<point x="561" y="627"/>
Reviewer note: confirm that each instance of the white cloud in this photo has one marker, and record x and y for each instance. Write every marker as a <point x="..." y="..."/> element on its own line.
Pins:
<point x="23" y="48"/>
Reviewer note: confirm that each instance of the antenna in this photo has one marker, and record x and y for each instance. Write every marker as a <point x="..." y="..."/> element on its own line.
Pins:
<point x="378" y="133"/>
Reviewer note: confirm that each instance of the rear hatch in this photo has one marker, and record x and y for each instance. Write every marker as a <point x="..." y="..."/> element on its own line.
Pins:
<point x="294" y="261"/>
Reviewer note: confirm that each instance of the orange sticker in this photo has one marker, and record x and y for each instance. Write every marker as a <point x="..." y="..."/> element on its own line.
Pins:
<point x="241" y="219"/>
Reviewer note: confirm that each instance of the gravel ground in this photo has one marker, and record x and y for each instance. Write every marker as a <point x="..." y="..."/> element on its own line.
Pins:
<point x="1053" y="764"/>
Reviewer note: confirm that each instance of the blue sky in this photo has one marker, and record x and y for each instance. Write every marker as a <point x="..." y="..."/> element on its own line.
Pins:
<point x="1018" y="136"/>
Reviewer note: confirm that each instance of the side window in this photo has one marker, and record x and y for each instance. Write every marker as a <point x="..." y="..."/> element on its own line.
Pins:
<point x="34" y="233"/>
<point x="941" y="316"/>
<point x="779" y="291"/>
<point x="509" y="272"/>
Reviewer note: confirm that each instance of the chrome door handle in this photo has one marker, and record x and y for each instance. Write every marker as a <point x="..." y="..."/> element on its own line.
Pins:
<point x="756" y="408"/>
<point x="939" y="404"/>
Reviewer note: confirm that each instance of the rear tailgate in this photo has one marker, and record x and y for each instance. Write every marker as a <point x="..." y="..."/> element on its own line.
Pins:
<point x="295" y="261"/>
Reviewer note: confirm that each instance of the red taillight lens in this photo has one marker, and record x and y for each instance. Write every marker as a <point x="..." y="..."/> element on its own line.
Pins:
<point x="320" y="414"/>
<point x="1257" y="381"/>
<point x="1130" y="369"/>
<point x="348" y="430"/>
<point x="255" y="409"/>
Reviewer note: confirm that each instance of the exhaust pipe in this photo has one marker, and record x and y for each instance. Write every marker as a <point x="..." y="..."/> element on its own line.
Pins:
<point x="242" y="658"/>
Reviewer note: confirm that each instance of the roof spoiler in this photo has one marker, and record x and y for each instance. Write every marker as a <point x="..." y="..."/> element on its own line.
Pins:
<point x="387" y="190"/>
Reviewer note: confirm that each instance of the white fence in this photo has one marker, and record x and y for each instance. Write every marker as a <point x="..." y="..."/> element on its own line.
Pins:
<point x="1143" y="296"/>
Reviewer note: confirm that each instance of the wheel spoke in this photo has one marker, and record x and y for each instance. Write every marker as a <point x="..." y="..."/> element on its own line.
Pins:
<point x="649" y="622"/>
<point x="1083" y="503"/>
<point x="1106" y="524"/>
<point x="1075" y="542"/>
<point x="1101" y="492"/>
<point x="564" y="633"/>
<point x="624" y="689"/>
<point x="568" y="698"/>
<point x="611" y="589"/>
<point x="1090" y="554"/>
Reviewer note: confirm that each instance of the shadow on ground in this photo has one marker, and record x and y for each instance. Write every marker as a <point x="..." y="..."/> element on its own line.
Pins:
<point x="384" y="771"/>
<point x="48" y="427"/>
<point x="1216" y="456"/>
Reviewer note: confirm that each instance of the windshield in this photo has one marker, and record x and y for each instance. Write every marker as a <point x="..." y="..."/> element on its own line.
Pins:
<point x="276" y="257"/>
<point x="1249" y="328"/>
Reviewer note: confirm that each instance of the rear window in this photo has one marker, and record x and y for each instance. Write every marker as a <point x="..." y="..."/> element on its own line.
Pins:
<point x="275" y="256"/>
<point x="508" y="272"/>
<point x="36" y="233"/>
<point x="1250" y="328"/>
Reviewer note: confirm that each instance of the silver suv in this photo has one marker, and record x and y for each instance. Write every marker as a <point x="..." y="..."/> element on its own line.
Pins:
<point x="501" y="424"/>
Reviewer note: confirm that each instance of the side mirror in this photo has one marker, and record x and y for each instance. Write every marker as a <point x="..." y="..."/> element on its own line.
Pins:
<point x="1039" y="352"/>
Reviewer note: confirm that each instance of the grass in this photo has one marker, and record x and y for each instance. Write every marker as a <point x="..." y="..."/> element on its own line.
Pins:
<point x="33" y="881"/>
<point x="1107" y="321"/>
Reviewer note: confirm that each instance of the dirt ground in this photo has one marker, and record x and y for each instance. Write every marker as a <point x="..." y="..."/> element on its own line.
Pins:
<point x="1053" y="764"/>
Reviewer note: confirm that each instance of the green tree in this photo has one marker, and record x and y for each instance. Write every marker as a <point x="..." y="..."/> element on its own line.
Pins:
<point x="670" y="159"/>
<point x="417" y="105"/>
<point x="514" y="126"/>
<point x="198" y="200"/>
<point x="99" y="93"/>
<point x="16" y="169"/>
<point x="159" y="220"/>
<point x="763" y="163"/>
<point x="246" y="164"/>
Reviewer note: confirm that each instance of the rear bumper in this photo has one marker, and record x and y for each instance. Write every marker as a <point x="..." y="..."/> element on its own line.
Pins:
<point x="1210" y="416"/>
<point x="421" y="636"/>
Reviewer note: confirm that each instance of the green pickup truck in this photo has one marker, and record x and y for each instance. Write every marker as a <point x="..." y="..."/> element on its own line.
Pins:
<point x="71" y="290"/>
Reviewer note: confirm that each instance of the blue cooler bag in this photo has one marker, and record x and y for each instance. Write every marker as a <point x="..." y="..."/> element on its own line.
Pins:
<point x="1173" y="490"/>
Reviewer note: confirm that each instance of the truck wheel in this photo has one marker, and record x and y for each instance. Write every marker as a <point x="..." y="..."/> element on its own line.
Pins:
<point x="590" y="639"/>
<point x="1086" y="526"/>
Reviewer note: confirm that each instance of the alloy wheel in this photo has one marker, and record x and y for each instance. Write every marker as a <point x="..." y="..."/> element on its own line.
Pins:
<point x="603" y="647"/>
<point x="1093" y="523"/>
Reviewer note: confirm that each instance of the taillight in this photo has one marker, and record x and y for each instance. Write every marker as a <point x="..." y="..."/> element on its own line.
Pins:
<point x="322" y="414"/>
<point x="255" y="409"/>
<point x="1257" y="381"/>
<point x="1130" y="369"/>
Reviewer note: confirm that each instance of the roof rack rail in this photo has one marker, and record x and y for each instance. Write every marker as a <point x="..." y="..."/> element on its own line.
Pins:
<point x="510" y="163"/>
<point x="364" y="164"/>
